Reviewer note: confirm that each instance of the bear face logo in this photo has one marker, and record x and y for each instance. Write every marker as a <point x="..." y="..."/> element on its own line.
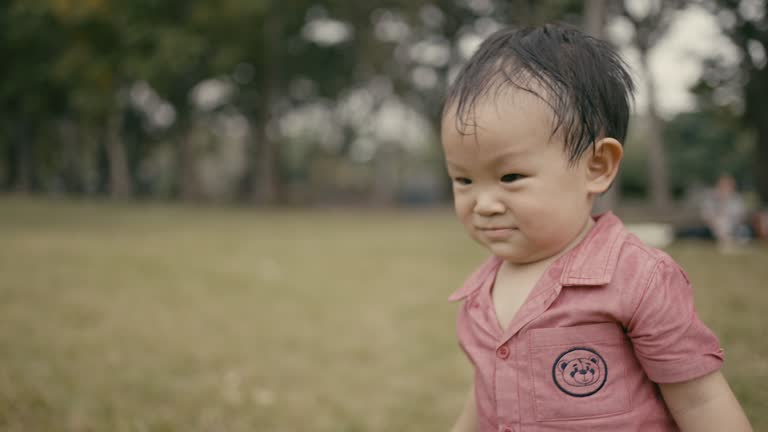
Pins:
<point x="580" y="372"/>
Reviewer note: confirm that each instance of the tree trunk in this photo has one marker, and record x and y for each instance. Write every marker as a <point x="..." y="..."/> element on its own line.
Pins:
<point x="10" y="161"/>
<point x="761" y="160"/>
<point x="72" y="169"/>
<point x="386" y="174"/>
<point x="22" y="150"/>
<point x="264" y="186"/>
<point x="120" y="184"/>
<point x="189" y="183"/>
<point x="757" y="114"/>
<point x="657" y="163"/>
<point x="595" y="14"/>
<point x="265" y="180"/>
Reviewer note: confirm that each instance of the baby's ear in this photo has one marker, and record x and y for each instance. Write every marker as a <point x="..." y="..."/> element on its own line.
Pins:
<point x="602" y="164"/>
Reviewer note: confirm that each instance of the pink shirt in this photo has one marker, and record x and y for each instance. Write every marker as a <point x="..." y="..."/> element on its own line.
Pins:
<point x="606" y="321"/>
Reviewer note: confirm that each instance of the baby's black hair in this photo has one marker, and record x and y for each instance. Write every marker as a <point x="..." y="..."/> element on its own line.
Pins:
<point x="583" y="80"/>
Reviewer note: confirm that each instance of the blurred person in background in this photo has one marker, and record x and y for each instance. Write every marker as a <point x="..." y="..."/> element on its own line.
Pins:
<point x="724" y="211"/>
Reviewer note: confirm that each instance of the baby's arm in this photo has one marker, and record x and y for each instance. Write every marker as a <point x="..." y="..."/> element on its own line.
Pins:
<point x="467" y="421"/>
<point x="679" y="352"/>
<point x="705" y="404"/>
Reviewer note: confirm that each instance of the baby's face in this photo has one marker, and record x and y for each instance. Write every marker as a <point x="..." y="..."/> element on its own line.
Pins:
<point x="513" y="188"/>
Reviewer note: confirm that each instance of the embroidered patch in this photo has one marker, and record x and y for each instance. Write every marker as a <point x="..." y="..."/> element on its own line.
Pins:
<point x="580" y="372"/>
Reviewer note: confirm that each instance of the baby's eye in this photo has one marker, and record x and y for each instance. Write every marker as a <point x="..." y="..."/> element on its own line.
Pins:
<point x="462" y="180"/>
<point x="509" y="178"/>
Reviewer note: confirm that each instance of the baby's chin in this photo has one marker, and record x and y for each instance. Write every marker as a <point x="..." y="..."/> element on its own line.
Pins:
<point x="525" y="260"/>
<point x="521" y="256"/>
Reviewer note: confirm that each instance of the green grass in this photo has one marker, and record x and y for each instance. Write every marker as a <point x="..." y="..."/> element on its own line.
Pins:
<point x="175" y="318"/>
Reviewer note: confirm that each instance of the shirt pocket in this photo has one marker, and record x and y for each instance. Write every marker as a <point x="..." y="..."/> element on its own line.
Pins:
<point x="579" y="372"/>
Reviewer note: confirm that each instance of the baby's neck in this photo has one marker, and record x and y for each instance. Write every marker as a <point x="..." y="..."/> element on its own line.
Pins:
<point x="544" y="262"/>
<point x="514" y="281"/>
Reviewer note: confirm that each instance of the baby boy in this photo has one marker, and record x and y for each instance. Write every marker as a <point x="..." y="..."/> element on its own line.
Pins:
<point x="572" y="323"/>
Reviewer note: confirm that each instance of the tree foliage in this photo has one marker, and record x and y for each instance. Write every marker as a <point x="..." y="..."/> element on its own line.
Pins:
<point x="104" y="96"/>
<point x="745" y="23"/>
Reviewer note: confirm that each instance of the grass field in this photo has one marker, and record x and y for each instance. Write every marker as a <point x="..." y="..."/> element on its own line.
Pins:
<point x="174" y="318"/>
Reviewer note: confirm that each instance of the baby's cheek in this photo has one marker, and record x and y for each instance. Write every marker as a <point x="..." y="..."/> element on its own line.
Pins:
<point x="537" y="222"/>
<point x="463" y="207"/>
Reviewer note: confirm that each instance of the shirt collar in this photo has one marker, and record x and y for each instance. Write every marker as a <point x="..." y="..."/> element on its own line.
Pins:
<point x="591" y="262"/>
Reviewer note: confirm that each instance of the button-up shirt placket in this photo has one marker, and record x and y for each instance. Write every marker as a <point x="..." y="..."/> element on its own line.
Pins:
<point x="512" y="357"/>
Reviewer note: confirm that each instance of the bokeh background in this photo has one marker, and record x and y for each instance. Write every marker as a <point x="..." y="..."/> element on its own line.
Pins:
<point x="232" y="215"/>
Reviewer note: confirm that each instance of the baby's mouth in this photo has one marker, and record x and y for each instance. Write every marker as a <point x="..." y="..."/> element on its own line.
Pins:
<point x="497" y="232"/>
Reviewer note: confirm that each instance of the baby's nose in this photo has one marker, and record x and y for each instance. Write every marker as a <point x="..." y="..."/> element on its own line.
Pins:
<point x="487" y="204"/>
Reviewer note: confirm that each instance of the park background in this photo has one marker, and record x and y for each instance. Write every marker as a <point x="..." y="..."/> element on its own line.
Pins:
<point x="233" y="215"/>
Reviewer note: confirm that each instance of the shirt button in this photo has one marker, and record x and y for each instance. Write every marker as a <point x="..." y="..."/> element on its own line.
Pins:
<point x="502" y="352"/>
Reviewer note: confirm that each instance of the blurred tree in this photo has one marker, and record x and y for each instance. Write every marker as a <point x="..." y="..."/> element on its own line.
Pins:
<point x="594" y="18"/>
<point x="262" y="51"/>
<point x="95" y="64"/>
<point x="29" y="40"/>
<point x="701" y="145"/>
<point x="77" y="67"/>
<point x="595" y="14"/>
<point x="281" y="56"/>
<point x="183" y="44"/>
<point x="650" y="21"/>
<point x="459" y="27"/>
<point x="745" y="22"/>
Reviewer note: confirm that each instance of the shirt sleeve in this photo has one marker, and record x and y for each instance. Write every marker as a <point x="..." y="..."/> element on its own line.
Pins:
<point x="670" y="341"/>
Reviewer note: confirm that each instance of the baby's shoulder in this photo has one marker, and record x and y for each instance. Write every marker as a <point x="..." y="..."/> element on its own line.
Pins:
<point x="636" y="254"/>
<point x="640" y="265"/>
